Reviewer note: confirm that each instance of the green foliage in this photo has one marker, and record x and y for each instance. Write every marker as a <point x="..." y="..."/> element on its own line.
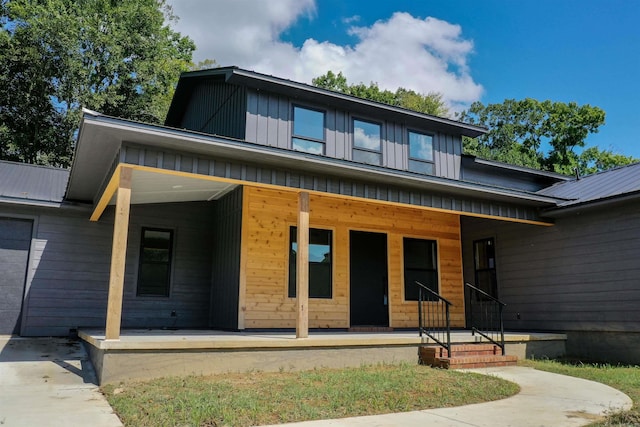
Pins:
<point x="430" y="103"/>
<point x="120" y="58"/>
<point x="520" y="130"/>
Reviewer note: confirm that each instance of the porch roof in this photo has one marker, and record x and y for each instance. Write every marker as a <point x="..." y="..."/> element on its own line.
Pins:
<point x="101" y="138"/>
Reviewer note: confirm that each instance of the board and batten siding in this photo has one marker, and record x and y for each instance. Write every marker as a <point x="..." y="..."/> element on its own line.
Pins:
<point x="265" y="252"/>
<point x="248" y="172"/>
<point x="70" y="270"/>
<point x="225" y="275"/>
<point x="582" y="274"/>
<point x="216" y="108"/>
<point x="269" y="122"/>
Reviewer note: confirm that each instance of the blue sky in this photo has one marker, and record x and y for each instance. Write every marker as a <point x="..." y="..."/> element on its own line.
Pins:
<point x="565" y="50"/>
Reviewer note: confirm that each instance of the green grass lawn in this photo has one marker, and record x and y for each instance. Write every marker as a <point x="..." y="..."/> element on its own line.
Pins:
<point x="624" y="378"/>
<point x="271" y="398"/>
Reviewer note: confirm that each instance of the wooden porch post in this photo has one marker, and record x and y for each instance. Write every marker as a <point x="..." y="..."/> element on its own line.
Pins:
<point x="118" y="255"/>
<point x="302" y="268"/>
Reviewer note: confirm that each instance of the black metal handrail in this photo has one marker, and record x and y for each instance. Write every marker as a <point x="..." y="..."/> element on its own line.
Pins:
<point x="490" y="322"/>
<point x="433" y="317"/>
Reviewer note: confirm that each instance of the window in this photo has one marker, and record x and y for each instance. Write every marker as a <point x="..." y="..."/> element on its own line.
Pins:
<point x="367" y="147"/>
<point x="320" y="255"/>
<point x="421" y="265"/>
<point x="308" y="130"/>
<point x="484" y="254"/>
<point x="154" y="271"/>
<point x="420" y="152"/>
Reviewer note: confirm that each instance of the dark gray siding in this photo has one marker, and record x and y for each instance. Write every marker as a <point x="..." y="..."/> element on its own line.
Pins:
<point x="69" y="274"/>
<point x="580" y="275"/>
<point x="137" y="154"/>
<point x="268" y="122"/>
<point x="225" y="277"/>
<point x="506" y="176"/>
<point x="15" y="241"/>
<point x="216" y="108"/>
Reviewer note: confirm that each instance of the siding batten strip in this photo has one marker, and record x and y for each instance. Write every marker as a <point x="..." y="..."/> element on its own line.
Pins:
<point x="118" y="255"/>
<point x="302" y="267"/>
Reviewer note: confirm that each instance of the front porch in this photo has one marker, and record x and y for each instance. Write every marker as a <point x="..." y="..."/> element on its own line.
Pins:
<point x="142" y="354"/>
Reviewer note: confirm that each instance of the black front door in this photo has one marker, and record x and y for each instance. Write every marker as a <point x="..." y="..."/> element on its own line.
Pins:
<point x="369" y="281"/>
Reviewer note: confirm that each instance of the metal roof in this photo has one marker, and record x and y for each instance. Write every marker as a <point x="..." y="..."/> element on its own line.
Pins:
<point x="297" y="90"/>
<point x="22" y="182"/>
<point x="601" y="186"/>
<point x="101" y="136"/>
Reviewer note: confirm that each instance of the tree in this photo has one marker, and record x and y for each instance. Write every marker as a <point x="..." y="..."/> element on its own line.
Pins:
<point x="430" y="103"/>
<point x="521" y="130"/>
<point x="120" y="58"/>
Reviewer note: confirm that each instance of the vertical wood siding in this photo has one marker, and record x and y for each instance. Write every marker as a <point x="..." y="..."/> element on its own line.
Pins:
<point x="216" y="108"/>
<point x="266" y="225"/>
<point x="225" y="276"/>
<point x="580" y="275"/>
<point x="269" y="122"/>
<point x="70" y="270"/>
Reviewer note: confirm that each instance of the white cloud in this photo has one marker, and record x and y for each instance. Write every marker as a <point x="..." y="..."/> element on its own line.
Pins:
<point x="420" y="54"/>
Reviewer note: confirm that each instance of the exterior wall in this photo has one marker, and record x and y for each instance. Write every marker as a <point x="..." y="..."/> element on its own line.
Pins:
<point x="216" y="108"/>
<point x="504" y="177"/>
<point x="15" y="243"/>
<point x="580" y="275"/>
<point x="247" y="172"/>
<point x="225" y="276"/>
<point x="268" y="122"/>
<point x="267" y="216"/>
<point x="68" y="276"/>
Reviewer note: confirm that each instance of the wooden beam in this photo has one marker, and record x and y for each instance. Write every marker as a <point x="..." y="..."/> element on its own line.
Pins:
<point x="302" y="267"/>
<point x="118" y="255"/>
<point x="107" y="195"/>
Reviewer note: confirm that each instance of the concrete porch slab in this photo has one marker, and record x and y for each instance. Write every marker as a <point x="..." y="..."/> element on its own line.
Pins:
<point x="152" y="353"/>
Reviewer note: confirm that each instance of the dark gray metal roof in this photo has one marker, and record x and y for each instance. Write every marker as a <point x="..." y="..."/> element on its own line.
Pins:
<point x="21" y="182"/>
<point x="601" y="186"/>
<point x="101" y="137"/>
<point x="235" y="75"/>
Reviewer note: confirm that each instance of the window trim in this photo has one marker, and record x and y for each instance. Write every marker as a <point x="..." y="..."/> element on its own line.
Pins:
<point x="417" y="159"/>
<point x="332" y="267"/>
<point x="355" y="148"/>
<point x="295" y="136"/>
<point x="438" y="265"/>
<point x="172" y="240"/>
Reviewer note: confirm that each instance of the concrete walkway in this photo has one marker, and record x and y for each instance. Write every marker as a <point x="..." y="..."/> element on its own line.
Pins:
<point x="49" y="382"/>
<point x="545" y="399"/>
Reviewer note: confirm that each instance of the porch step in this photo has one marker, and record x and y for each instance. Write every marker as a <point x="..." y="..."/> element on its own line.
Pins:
<point x="465" y="356"/>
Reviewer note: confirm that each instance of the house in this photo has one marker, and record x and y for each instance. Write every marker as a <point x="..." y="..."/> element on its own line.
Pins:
<point x="201" y="223"/>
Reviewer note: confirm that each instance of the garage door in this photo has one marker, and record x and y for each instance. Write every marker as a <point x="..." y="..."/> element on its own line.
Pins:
<point x="15" y="241"/>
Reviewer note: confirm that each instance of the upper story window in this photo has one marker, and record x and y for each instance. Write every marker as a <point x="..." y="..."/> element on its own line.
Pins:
<point x="367" y="142"/>
<point x="308" y="130"/>
<point x="420" y="152"/>
<point x="154" y="270"/>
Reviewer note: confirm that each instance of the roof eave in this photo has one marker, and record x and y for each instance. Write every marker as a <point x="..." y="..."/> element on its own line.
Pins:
<point x="165" y="137"/>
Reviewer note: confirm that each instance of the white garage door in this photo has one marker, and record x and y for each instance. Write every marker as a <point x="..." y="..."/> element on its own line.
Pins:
<point x="15" y="241"/>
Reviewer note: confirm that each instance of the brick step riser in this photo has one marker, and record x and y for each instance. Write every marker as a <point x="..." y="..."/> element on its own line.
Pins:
<point x="466" y="357"/>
